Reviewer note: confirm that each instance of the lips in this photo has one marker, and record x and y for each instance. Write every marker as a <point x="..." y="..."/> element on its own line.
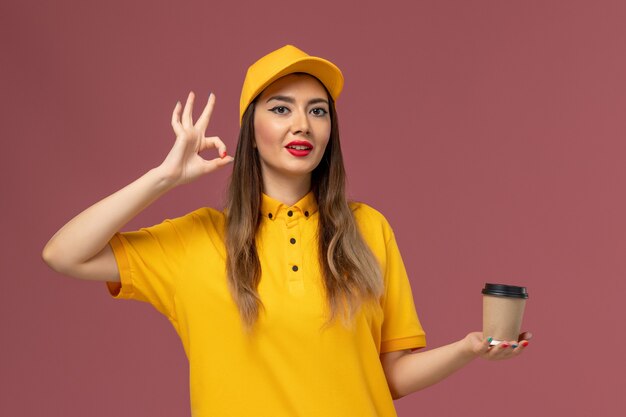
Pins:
<point x="299" y="148"/>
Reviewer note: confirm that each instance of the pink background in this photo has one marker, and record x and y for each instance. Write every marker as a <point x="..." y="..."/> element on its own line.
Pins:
<point x="490" y="133"/>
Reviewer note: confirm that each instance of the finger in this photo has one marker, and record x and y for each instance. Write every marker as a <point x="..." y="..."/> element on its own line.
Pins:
<point x="214" y="142"/>
<point x="501" y="350"/>
<point x="518" y="348"/>
<point x="216" y="163"/>
<point x="514" y="346"/>
<point x="187" y="112"/>
<point x="178" y="128"/>
<point x="205" y="117"/>
<point x="484" y="346"/>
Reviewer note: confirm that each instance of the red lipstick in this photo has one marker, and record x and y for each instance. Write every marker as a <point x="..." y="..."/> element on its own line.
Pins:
<point x="299" y="148"/>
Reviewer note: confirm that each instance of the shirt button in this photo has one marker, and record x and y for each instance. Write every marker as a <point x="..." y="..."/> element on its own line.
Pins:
<point x="294" y="268"/>
<point x="306" y="214"/>
<point x="269" y="215"/>
<point x="290" y="213"/>
<point x="293" y="241"/>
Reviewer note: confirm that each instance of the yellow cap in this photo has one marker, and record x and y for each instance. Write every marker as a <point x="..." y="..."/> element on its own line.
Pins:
<point x="284" y="61"/>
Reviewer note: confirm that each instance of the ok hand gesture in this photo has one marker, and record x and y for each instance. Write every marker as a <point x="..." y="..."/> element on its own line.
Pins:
<point x="184" y="164"/>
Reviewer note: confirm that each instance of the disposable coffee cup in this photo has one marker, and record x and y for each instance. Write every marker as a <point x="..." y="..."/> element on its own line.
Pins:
<point x="503" y="310"/>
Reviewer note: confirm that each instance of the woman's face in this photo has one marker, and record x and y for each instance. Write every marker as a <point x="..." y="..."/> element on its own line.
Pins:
<point x="292" y="126"/>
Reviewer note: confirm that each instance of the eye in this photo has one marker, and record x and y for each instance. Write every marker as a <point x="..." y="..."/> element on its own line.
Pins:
<point x="279" y="110"/>
<point x="318" y="111"/>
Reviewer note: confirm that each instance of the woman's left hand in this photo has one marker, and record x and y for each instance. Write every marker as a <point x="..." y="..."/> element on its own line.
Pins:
<point x="479" y="345"/>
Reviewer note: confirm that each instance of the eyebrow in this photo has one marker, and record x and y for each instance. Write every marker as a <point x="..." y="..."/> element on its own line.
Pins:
<point x="292" y="100"/>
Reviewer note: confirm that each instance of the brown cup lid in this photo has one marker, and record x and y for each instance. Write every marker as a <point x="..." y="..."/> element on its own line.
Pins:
<point x="503" y="290"/>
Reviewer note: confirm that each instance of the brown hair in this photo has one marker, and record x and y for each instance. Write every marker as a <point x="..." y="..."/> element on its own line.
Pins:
<point x="351" y="274"/>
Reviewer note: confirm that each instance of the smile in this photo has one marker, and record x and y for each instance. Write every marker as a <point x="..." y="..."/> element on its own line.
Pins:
<point x="300" y="145"/>
<point x="299" y="148"/>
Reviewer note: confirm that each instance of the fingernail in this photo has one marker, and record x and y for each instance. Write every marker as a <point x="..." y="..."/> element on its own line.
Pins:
<point x="513" y="346"/>
<point x="210" y="92"/>
<point x="504" y="345"/>
<point x="223" y="155"/>
<point x="490" y="340"/>
<point x="524" y="343"/>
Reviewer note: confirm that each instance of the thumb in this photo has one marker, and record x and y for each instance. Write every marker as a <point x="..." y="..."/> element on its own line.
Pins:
<point x="481" y="346"/>
<point x="217" y="163"/>
<point x="485" y="345"/>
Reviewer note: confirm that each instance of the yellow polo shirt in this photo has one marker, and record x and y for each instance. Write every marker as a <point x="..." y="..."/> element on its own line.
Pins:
<point x="289" y="366"/>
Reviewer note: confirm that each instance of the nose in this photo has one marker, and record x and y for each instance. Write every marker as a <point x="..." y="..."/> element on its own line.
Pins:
<point x="301" y="125"/>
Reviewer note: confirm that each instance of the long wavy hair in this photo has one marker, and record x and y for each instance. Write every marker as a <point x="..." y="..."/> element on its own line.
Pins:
<point x="351" y="274"/>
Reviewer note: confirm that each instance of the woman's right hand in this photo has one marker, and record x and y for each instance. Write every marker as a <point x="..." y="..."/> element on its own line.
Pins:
<point x="184" y="163"/>
<point x="80" y="248"/>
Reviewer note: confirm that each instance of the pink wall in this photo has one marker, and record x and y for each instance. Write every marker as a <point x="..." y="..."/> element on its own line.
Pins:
<point x="490" y="133"/>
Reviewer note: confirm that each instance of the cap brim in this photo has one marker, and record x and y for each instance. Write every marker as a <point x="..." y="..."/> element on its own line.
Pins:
<point x="327" y="72"/>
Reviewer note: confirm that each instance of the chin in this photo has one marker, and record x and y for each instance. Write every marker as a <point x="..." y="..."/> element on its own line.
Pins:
<point x="291" y="169"/>
<point x="299" y="171"/>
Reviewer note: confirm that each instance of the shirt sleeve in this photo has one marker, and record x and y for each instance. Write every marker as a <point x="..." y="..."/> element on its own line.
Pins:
<point x="150" y="261"/>
<point x="401" y="327"/>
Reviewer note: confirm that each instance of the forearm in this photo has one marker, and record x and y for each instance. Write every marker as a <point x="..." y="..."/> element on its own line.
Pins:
<point x="415" y="371"/>
<point x="89" y="232"/>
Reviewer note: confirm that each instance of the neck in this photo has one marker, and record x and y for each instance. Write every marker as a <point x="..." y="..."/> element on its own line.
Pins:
<point x="287" y="190"/>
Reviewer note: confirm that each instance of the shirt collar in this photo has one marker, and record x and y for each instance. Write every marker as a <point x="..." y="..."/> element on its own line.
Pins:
<point x="272" y="209"/>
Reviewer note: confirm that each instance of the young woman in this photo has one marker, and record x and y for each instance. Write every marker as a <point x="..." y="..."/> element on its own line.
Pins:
<point x="291" y="301"/>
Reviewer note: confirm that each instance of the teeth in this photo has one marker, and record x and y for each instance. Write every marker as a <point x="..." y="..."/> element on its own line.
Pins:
<point x="299" y="147"/>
